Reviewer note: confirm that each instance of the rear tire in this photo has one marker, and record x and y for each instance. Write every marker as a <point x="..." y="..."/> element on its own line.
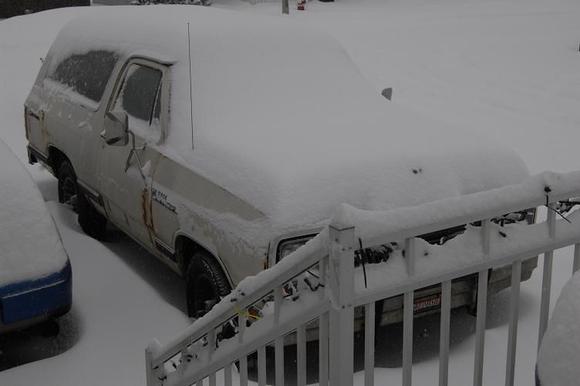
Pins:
<point x="92" y="222"/>
<point x="206" y="284"/>
<point x="67" y="185"/>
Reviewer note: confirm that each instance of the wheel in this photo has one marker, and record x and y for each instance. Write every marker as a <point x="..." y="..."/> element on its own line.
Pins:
<point x="67" y="185"/>
<point x="206" y="284"/>
<point x="92" y="222"/>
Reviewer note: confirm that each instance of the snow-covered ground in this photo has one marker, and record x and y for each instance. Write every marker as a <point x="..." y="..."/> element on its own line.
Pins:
<point x="508" y="69"/>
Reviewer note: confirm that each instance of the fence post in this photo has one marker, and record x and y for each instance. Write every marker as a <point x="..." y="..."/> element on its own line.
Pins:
<point x="152" y="374"/>
<point x="341" y="334"/>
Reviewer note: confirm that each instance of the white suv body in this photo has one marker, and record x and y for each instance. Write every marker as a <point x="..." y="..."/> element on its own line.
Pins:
<point x="228" y="140"/>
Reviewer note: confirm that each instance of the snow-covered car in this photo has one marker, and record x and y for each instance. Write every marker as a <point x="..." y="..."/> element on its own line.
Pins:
<point x="559" y="353"/>
<point x="9" y="8"/>
<point x="221" y="142"/>
<point x="35" y="273"/>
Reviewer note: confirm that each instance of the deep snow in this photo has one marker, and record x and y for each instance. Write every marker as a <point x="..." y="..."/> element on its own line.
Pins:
<point x="30" y="246"/>
<point x="562" y="339"/>
<point x="507" y="70"/>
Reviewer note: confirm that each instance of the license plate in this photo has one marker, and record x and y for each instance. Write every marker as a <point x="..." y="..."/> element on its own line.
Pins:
<point x="426" y="303"/>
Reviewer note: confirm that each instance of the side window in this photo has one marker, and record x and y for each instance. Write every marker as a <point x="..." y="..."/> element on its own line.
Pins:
<point x="86" y="74"/>
<point x="140" y="98"/>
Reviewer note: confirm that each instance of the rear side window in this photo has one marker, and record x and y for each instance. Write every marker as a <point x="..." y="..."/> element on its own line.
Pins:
<point x="87" y="74"/>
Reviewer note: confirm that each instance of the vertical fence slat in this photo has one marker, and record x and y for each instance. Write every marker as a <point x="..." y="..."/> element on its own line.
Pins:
<point x="480" y="327"/>
<point x="444" y="333"/>
<point x="323" y="269"/>
<point x="485" y="236"/>
<point x="244" y="371"/>
<point x="408" y="338"/>
<point x="576" y="265"/>
<point x="149" y="366"/>
<point x="301" y="355"/>
<point x="262" y="366"/>
<point x="278" y="301"/>
<point x="212" y="381"/>
<point x="279" y="360"/>
<point x="199" y="383"/>
<point x="370" y="344"/>
<point x="323" y="349"/>
<point x="241" y="327"/>
<point x="551" y="220"/>
<point x="211" y="343"/>
<point x="410" y="255"/>
<point x="546" y="290"/>
<point x="228" y="375"/>
<point x="513" y="327"/>
<point x="547" y="278"/>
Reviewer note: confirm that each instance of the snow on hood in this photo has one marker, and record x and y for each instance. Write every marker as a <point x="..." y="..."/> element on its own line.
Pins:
<point x="285" y="120"/>
<point x="30" y="247"/>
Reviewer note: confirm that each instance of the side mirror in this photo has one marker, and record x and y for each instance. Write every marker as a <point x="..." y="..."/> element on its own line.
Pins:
<point x="116" y="128"/>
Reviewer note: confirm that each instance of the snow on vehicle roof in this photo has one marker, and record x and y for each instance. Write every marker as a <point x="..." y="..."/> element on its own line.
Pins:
<point x="283" y="118"/>
<point x="30" y="246"/>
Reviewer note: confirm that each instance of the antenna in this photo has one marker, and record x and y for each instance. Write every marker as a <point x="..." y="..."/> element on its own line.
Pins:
<point x="190" y="85"/>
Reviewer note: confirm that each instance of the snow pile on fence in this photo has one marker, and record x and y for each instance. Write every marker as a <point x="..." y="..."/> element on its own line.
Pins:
<point x="532" y="192"/>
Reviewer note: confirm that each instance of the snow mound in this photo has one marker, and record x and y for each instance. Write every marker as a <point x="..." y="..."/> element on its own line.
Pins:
<point x="560" y="350"/>
<point x="30" y="246"/>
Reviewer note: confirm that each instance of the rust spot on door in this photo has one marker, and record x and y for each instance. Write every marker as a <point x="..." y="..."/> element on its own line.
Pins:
<point x="146" y="214"/>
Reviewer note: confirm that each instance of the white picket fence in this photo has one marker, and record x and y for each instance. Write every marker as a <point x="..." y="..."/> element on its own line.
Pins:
<point x="263" y="311"/>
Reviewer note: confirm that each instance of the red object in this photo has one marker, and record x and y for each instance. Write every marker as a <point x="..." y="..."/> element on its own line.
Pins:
<point x="301" y="4"/>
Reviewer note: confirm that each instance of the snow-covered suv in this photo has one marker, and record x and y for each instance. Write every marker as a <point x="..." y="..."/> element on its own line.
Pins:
<point x="221" y="142"/>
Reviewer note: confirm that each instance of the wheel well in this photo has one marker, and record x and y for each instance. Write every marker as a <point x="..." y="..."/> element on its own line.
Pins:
<point x="185" y="248"/>
<point x="55" y="158"/>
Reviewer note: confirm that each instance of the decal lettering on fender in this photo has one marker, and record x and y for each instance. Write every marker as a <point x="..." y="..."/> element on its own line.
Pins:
<point x="161" y="198"/>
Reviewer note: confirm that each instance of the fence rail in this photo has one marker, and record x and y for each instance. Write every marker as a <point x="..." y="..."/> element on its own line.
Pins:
<point x="315" y="290"/>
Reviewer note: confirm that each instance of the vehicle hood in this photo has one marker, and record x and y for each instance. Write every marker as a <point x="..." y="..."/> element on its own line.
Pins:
<point x="391" y="159"/>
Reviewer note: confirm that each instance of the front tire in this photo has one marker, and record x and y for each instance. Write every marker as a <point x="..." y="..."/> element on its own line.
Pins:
<point x="206" y="284"/>
<point x="92" y="222"/>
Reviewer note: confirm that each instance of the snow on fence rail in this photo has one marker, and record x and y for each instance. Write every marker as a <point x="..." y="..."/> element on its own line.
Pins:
<point x="318" y="287"/>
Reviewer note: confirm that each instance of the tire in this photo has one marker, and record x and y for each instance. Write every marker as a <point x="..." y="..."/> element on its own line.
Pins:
<point x="206" y="284"/>
<point x="67" y="185"/>
<point x="49" y="329"/>
<point x="92" y="222"/>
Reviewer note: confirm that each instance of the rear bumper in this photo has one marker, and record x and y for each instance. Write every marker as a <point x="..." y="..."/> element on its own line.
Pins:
<point x="463" y="292"/>
<point x="24" y="304"/>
